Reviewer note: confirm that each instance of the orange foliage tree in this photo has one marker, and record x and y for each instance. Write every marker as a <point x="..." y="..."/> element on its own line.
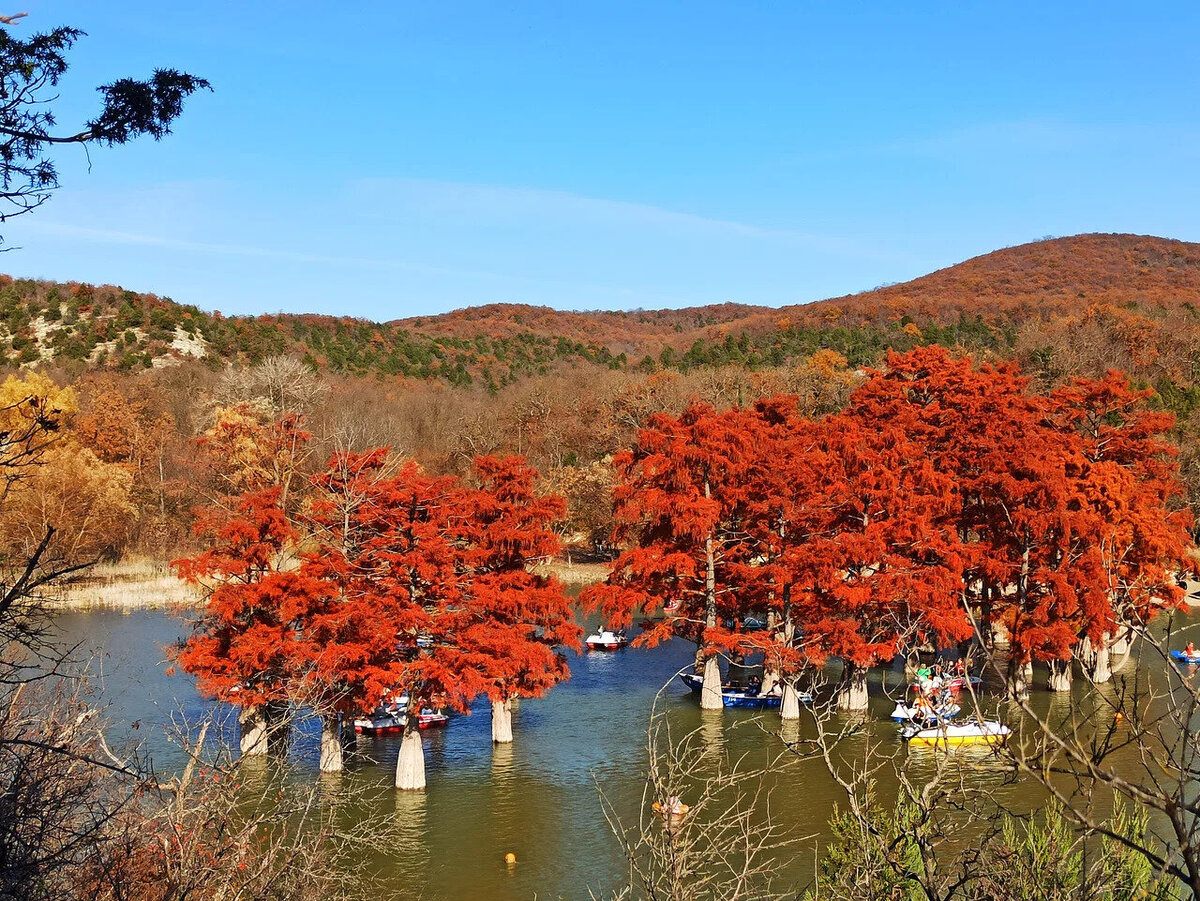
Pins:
<point x="408" y="585"/>
<point x="678" y="508"/>
<point x="245" y="646"/>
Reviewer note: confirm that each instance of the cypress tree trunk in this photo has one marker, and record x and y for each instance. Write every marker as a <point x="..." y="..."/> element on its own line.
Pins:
<point x="1095" y="659"/>
<point x="1060" y="675"/>
<point x="770" y="679"/>
<point x="331" y="744"/>
<point x="1121" y="645"/>
<point x="254" y="731"/>
<point x="349" y="737"/>
<point x="710" y="692"/>
<point x="853" y="693"/>
<point x="278" y="717"/>
<point x="410" y="765"/>
<point x="502" y="733"/>
<point x="1017" y="679"/>
<point x="789" y="706"/>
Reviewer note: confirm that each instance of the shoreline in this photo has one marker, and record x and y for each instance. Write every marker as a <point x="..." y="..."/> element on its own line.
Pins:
<point x="126" y="586"/>
<point x="150" y="585"/>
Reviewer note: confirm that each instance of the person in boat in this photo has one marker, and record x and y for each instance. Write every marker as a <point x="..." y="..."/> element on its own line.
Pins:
<point x="754" y="686"/>
<point x="1190" y="650"/>
<point x="960" y="666"/>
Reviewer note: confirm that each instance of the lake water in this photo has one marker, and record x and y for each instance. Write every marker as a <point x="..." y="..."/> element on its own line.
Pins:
<point x="538" y="798"/>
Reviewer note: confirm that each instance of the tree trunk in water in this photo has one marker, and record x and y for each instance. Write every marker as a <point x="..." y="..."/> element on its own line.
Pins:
<point x="710" y="692"/>
<point x="1017" y="679"/>
<point x="853" y="693"/>
<point x="410" y="765"/>
<point x="1099" y="661"/>
<point x="770" y="679"/>
<point x="349" y="736"/>
<point x="331" y="744"/>
<point x="1060" y="675"/>
<point x="789" y="707"/>
<point x="1095" y="659"/>
<point x="278" y="717"/>
<point x="502" y="722"/>
<point x="254" y="731"/>
<point x="1121" y="645"/>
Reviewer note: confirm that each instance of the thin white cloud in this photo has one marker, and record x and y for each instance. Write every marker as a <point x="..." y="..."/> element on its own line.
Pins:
<point x="475" y="203"/>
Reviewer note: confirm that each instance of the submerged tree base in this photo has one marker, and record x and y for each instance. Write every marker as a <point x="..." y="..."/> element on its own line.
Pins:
<point x="853" y="692"/>
<point x="502" y="733"/>
<point x="410" y="765"/>
<point x="710" y="692"/>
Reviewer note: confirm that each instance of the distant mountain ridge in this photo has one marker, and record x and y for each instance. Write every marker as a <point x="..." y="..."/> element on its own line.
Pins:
<point x="975" y="303"/>
<point x="1055" y="276"/>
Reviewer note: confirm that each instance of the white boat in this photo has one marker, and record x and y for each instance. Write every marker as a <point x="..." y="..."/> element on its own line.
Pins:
<point x="971" y="732"/>
<point x="606" y="640"/>
<point x="393" y="717"/>
<point x="381" y="722"/>
<point x="919" y="713"/>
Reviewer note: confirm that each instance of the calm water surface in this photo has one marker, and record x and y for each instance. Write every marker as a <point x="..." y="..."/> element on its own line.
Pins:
<point x="537" y="798"/>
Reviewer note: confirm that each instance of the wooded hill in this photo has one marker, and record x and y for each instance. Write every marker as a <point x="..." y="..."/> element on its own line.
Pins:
<point x="1136" y="293"/>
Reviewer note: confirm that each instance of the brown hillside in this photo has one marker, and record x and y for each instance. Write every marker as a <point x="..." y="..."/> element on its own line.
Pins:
<point x="1037" y="280"/>
<point x="1042" y="279"/>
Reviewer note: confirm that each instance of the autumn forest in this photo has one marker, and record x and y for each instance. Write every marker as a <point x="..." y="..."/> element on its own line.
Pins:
<point x="145" y="384"/>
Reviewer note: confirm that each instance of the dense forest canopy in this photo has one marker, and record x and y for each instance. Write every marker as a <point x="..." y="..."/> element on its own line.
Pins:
<point x="1091" y="301"/>
<point x="145" y="377"/>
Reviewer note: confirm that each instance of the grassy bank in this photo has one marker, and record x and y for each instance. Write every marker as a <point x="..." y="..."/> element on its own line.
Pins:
<point x="575" y="573"/>
<point x="128" y="585"/>
<point x="149" y="585"/>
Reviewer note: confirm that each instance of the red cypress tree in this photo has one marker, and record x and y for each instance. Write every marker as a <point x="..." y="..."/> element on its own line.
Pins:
<point x="1132" y="486"/>
<point x="1027" y="532"/>
<point x="429" y="591"/>
<point x="522" y="619"/>
<point x="244" y="647"/>
<point x="678" y="510"/>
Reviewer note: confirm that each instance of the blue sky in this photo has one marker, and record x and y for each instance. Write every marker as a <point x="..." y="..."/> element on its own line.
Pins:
<point x="396" y="159"/>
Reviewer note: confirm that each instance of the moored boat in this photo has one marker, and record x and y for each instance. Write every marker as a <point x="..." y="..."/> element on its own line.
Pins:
<point x="606" y="640"/>
<point x="972" y="732"/>
<point x="733" y="696"/>
<point x="393" y="719"/>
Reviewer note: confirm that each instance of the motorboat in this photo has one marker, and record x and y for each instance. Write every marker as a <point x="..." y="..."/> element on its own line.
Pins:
<point x="606" y="640"/>
<point x="970" y="732"/>
<point x="394" y="717"/>
<point x="735" y="696"/>
<point x="905" y="713"/>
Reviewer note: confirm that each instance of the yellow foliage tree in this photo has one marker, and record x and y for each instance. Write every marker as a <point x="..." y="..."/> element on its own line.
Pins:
<point x="86" y="500"/>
